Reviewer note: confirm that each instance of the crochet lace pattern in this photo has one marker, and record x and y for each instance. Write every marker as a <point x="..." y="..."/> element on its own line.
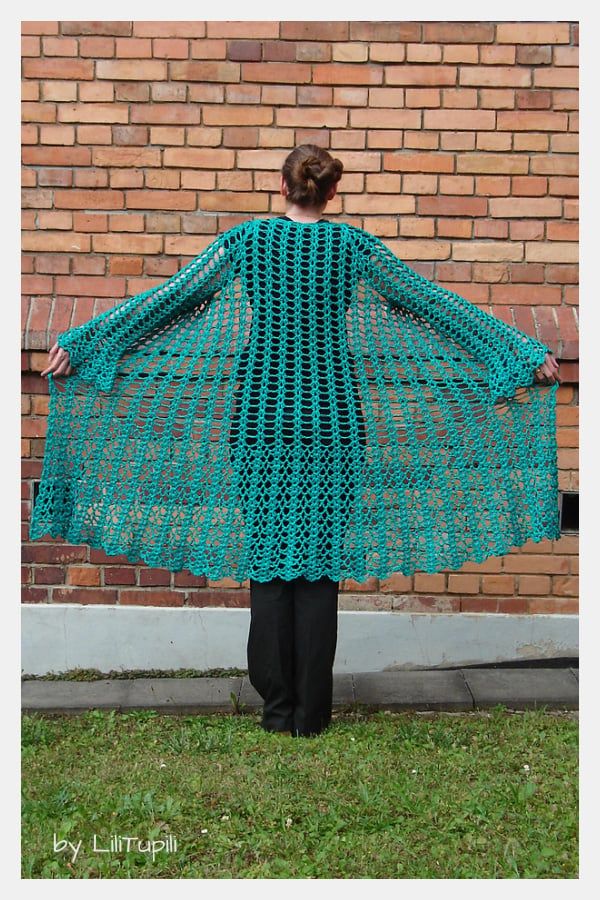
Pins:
<point x="298" y="401"/>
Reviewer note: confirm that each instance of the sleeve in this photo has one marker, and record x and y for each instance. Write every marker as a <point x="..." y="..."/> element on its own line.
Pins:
<point x="511" y="355"/>
<point x="95" y="347"/>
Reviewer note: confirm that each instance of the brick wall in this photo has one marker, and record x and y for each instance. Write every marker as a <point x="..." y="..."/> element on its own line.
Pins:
<point x="143" y="140"/>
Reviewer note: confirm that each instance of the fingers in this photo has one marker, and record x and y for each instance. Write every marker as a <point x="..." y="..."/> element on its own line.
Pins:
<point x="60" y="362"/>
<point x="547" y="373"/>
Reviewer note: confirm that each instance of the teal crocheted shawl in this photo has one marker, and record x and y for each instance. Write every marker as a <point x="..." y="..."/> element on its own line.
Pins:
<point x="298" y="401"/>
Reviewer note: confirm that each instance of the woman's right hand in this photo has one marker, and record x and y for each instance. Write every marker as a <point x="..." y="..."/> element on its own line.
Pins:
<point x="59" y="362"/>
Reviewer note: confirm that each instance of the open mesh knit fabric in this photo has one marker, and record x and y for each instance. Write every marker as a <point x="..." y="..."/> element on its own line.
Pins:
<point x="298" y="401"/>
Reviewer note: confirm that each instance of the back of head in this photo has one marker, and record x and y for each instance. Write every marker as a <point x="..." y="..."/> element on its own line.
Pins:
<point x="310" y="172"/>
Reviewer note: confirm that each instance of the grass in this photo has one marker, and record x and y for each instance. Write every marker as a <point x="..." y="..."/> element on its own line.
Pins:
<point x="126" y="674"/>
<point x="383" y="795"/>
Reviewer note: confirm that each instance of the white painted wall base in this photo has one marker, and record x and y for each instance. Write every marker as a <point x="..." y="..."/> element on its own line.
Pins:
<point x="64" y="636"/>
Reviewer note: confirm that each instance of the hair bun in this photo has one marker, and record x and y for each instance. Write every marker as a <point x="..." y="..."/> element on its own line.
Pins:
<point x="310" y="172"/>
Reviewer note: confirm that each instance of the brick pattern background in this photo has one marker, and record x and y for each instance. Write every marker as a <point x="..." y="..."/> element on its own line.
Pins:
<point x="143" y="140"/>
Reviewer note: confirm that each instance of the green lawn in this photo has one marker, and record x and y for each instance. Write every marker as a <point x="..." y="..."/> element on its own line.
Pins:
<point x="378" y="795"/>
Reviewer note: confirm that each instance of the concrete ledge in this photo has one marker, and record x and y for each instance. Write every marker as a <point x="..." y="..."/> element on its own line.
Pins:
<point x="461" y="689"/>
<point x="523" y="688"/>
<point x="59" y="637"/>
<point x="413" y="690"/>
<point x="183" y="695"/>
<point x="73" y="696"/>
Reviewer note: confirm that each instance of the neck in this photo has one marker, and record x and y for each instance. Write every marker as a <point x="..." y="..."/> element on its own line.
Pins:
<point x="302" y="214"/>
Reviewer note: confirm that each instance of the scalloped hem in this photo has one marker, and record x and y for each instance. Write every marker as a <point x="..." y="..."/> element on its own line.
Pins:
<point x="357" y="574"/>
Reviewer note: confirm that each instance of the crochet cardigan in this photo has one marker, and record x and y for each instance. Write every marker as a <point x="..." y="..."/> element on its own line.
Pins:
<point x="298" y="401"/>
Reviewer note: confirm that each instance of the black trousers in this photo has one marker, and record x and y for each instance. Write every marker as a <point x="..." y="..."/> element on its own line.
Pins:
<point x="291" y="648"/>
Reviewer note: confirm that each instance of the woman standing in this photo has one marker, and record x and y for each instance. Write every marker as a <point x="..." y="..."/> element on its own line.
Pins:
<point x="298" y="406"/>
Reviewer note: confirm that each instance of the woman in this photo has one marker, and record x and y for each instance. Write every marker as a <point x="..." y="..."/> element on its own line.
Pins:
<point x="299" y="406"/>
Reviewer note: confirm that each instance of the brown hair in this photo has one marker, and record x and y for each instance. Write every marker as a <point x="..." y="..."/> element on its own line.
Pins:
<point x="310" y="172"/>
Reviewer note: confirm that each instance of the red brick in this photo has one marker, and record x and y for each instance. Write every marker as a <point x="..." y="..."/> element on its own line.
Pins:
<point x="119" y="575"/>
<point x="126" y="156"/>
<point x="59" y="46"/>
<point x="151" y="598"/>
<point x="535" y="207"/>
<point x="522" y="120"/>
<point x="86" y="596"/>
<point x="564" y="187"/>
<point x="34" y="595"/>
<point x="376" y="118"/>
<point x="555" y="164"/>
<point x="88" y="576"/>
<point x="97" y="46"/>
<point x="56" y="156"/>
<point x="494" y="55"/>
<point x="566" y="56"/>
<point x="459" y="32"/>
<point x="556" y="252"/>
<point x="384" y="31"/>
<point x="422" y="97"/>
<point x="74" y="199"/>
<point x="534" y="56"/>
<point x="314" y="31"/>
<point x="492" y="163"/>
<point x="455" y="228"/>
<point x="420" y="75"/>
<point x="529" y="186"/>
<point x="459" y="98"/>
<point x="30" y="46"/>
<point x="461" y="53"/>
<point x="131" y="69"/>
<point x="513" y="605"/>
<point x="456" y="184"/>
<point x="521" y="293"/>
<point x="277" y="51"/>
<point x="419" y="184"/>
<point x="237" y="598"/>
<point x="39" y="27"/>
<point x="154" y="577"/>
<point x="330" y="73"/>
<point x="492" y="185"/>
<point x="533" y="99"/>
<point x="497" y="98"/>
<point x="532" y="33"/>
<point x="488" y="228"/>
<point x="161" y="200"/>
<point x="170" y="48"/>
<point x="384" y="52"/>
<point x="479" y="604"/>
<point x="418" y="162"/>
<point x="562" y="231"/>
<point x="459" y="119"/>
<point x="103" y="27"/>
<point x="295" y="73"/>
<point x="78" y="69"/>
<point x="566" y="585"/>
<point x="556" y="605"/>
<point x="204" y="157"/>
<point x="426" y="53"/>
<point x="161" y="29"/>
<point x="495" y="76"/>
<point x="453" y="206"/>
<point x="48" y="574"/>
<point x="526" y="230"/>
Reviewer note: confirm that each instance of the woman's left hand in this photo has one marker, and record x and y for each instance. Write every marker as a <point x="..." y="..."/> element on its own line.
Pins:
<point x="59" y="362"/>
<point x="547" y="373"/>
